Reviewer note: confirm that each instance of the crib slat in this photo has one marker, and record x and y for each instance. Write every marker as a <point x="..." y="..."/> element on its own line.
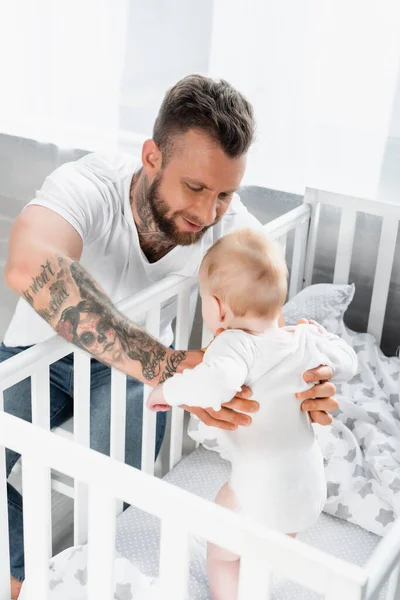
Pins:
<point x="4" y="548"/>
<point x="393" y="590"/>
<point x="40" y="392"/>
<point x="101" y="546"/>
<point x="345" y="589"/>
<point x="37" y="509"/>
<point x="81" y="436"/>
<point x="384" y="264"/>
<point x="174" y="565"/>
<point x="254" y="579"/>
<point x="118" y="415"/>
<point x="40" y="395"/>
<point x="311" y="197"/>
<point x="283" y="242"/>
<point x="118" y="421"/>
<point x="149" y="418"/>
<point x="299" y="257"/>
<point x="345" y="245"/>
<point x="181" y="343"/>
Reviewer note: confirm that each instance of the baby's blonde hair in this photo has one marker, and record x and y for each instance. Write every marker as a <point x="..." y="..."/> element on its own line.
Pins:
<point x="247" y="271"/>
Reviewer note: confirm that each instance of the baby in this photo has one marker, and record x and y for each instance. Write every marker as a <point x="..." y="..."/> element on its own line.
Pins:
<point x="277" y="467"/>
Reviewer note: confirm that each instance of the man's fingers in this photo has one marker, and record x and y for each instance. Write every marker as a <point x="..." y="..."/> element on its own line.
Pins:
<point x="243" y="405"/>
<point x="302" y="322"/>
<point x="208" y="419"/>
<point x="320" y="417"/>
<point x="325" y="405"/>
<point x="321" y="373"/>
<point x="244" y="393"/>
<point x="322" y="390"/>
<point x="231" y="416"/>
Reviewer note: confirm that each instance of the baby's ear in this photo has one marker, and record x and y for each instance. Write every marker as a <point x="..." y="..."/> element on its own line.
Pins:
<point x="217" y="309"/>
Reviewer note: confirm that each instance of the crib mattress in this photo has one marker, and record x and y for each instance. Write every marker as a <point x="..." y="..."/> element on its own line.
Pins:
<point x="203" y="472"/>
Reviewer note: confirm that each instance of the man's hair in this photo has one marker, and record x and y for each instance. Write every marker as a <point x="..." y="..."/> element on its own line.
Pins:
<point x="247" y="271"/>
<point x="215" y="107"/>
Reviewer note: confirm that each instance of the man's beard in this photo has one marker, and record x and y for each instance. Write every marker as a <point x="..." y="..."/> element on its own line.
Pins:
<point x="167" y="225"/>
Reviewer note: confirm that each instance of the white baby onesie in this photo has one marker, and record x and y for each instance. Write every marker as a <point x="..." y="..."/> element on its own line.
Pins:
<point x="277" y="466"/>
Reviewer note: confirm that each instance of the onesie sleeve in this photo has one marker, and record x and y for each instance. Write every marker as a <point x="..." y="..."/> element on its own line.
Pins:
<point x="216" y="380"/>
<point x="335" y="353"/>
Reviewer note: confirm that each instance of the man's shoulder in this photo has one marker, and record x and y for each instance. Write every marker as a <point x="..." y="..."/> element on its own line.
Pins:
<point x="111" y="164"/>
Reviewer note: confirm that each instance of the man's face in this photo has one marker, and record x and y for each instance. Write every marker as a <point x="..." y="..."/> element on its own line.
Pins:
<point x="194" y="190"/>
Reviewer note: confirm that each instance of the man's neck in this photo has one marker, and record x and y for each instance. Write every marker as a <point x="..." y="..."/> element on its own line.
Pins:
<point x="153" y="242"/>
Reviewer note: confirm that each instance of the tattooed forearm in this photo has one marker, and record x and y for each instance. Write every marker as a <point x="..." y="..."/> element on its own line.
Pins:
<point x="95" y="325"/>
<point x="173" y="362"/>
<point x="66" y="296"/>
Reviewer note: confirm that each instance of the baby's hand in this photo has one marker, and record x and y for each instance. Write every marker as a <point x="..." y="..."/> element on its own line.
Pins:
<point x="319" y="327"/>
<point x="156" y="401"/>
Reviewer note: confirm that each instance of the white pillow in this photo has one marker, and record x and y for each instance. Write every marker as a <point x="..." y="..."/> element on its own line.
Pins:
<point x="326" y="303"/>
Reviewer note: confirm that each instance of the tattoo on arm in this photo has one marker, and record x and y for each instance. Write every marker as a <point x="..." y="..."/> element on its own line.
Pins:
<point x="173" y="362"/>
<point x="93" y="323"/>
<point x="58" y="291"/>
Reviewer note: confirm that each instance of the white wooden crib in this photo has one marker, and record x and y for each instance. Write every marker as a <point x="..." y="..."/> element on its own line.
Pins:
<point x="99" y="484"/>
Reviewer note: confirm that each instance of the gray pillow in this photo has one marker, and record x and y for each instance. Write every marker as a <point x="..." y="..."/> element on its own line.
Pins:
<point x="326" y="303"/>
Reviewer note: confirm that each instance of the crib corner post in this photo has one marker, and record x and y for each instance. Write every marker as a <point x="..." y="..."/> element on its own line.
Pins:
<point x="4" y="533"/>
<point x="311" y="198"/>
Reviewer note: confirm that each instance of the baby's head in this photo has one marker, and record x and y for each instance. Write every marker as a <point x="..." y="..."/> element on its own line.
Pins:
<point x="243" y="282"/>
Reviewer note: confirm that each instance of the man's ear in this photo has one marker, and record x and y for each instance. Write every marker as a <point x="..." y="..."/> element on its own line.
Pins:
<point x="151" y="158"/>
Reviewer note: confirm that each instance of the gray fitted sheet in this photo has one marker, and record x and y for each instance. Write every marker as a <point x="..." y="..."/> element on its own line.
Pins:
<point x="202" y="473"/>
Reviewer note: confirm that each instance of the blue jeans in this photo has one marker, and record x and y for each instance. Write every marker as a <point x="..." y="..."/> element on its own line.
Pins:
<point x="17" y="401"/>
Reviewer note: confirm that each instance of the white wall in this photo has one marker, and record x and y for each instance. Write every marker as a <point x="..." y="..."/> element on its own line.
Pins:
<point x="395" y="122"/>
<point x="165" y="42"/>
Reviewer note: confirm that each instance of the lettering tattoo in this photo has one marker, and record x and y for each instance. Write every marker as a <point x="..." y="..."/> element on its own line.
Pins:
<point x="39" y="282"/>
<point x="58" y="290"/>
<point x="173" y="362"/>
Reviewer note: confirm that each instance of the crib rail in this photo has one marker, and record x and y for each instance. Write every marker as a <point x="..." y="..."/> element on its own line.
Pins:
<point x="333" y="579"/>
<point x="350" y="207"/>
<point x="181" y="514"/>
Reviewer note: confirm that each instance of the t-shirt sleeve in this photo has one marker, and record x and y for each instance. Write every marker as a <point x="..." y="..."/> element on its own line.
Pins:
<point x="77" y="192"/>
<point x="216" y="380"/>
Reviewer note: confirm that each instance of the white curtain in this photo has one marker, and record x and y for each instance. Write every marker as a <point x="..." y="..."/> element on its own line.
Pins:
<point x="322" y="76"/>
<point x="92" y="73"/>
<point x="62" y="63"/>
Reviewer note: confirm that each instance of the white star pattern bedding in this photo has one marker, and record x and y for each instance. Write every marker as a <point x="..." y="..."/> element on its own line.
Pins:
<point x="362" y="466"/>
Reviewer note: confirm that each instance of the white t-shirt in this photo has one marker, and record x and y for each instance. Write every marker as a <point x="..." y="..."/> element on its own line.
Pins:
<point x="92" y="194"/>
<point x="277" y="466"/>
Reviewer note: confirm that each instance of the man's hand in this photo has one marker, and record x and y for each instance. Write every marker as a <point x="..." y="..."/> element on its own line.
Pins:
<point x="227" y="417"/>
<point x="318" y="400"/>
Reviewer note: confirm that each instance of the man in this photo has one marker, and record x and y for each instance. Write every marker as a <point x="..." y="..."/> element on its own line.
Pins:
<point x="102" y="229"/>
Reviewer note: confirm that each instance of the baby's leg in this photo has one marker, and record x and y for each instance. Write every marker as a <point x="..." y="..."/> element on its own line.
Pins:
<point x="222" y="565"/>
